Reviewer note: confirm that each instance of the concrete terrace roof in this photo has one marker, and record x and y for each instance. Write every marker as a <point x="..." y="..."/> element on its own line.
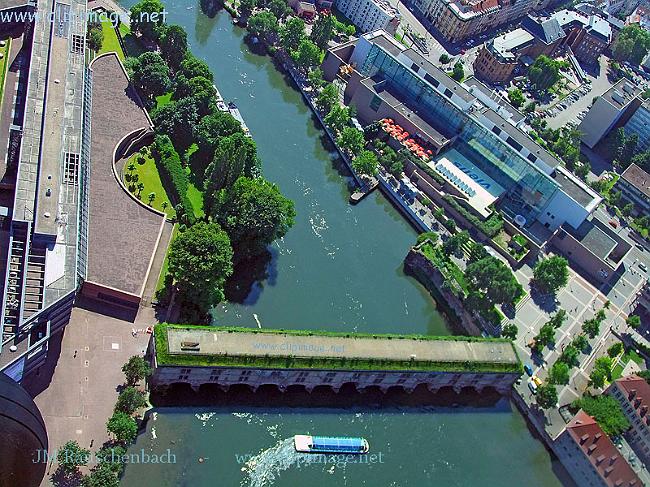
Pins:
<point x="503" y="45"/>
<point x="546" y="29"/>
<point x="123" y="234"/>
<point x="238" y="346"/>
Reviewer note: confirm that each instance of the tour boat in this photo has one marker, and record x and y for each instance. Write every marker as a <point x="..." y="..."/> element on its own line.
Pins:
<point x="329" y="444"/>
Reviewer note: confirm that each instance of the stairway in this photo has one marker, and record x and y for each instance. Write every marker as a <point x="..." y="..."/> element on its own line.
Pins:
<point x="35" y="281"/>
<point x="11" y="319"/>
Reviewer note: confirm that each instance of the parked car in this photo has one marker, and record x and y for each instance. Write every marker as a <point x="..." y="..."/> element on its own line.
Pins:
<point x="528" y="369"/>
<point x="533" y="387"/>
<point x="643" y="267"/>
<point x="538" y="382"/>
<point x="613" y="223"/>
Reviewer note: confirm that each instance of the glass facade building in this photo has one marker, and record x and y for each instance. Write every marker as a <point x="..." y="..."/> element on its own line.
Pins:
<point x="528" y="189"/>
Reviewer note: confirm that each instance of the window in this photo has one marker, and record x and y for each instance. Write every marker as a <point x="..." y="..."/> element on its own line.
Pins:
<point x="496" y="130"/>
<point x="375" y="103"/>
<point x="77" y="44"/>
<point x="71" y="168"/>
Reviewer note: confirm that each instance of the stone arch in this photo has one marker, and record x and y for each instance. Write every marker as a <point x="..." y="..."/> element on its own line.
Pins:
<point x="180" y="388"/>
<point x="211" y="390"/>
<point x="269" y="390"/>
<point x="421" y="388"/>
<point x="241" y="388"/>
<point x="297" y="389"/>
<point x="395" y="389"/>
<point x="348" y="389"/>
<point x="323" y="389"/>
<point x="373" y="390"/>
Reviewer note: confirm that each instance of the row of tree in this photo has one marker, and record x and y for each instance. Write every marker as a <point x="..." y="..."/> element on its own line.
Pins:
<point x="243" y="213"/>
<point x="121" y="426"/>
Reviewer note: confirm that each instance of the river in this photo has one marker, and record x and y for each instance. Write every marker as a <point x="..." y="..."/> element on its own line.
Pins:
<point x="339" y="268"/>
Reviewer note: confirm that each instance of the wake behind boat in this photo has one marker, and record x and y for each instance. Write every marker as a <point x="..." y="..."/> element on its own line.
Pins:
<point x="330" y="444"/>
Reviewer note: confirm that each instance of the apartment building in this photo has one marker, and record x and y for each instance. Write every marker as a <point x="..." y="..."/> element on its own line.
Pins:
<point x="634" y="185"/>
<point x="590" y="457"/>
<point x="639" y="123"/>
<point x="497" y="59"/>
<point x="458" y="20"/>
<point x="370" y="15"/>
<point x="587" y="35"/>
<point x="613" y="108"/>
<point x="633" y="393"/>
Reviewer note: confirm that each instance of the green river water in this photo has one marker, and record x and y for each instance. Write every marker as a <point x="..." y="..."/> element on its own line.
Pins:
<point x="339" y="268"/>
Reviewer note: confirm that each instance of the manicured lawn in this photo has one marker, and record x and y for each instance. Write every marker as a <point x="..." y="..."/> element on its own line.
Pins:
<point x="148" y="175"/>
<point x="165" y="266"/>
<point x="625" y="359"/>
<point x="196" y="197"/>
<point x="4" y="66"/>
<point x="162" y="100"/>
<point x="111" y="42"/>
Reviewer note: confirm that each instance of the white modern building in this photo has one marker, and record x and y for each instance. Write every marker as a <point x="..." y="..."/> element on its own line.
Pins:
<point x="370" y="15"/>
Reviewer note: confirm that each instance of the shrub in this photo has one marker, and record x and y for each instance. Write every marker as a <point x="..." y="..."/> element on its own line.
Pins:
<point x="173" y="174"/>
<point x="490" y="227"/>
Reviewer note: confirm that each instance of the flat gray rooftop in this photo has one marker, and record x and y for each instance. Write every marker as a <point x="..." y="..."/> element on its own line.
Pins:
<point x="244" y="344"/>
<point x="595" y="239"/>
<point x="622" y="93"/>
<point x="122" y="234"/>
<point x="573" y="189"/>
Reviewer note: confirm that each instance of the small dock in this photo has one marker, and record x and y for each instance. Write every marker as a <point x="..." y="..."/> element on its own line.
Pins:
<point x="370" y="184"/>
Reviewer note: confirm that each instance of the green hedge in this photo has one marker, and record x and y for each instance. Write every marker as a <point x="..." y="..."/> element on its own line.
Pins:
<point x="173" y="175"/>
<point x="490" y="227"/>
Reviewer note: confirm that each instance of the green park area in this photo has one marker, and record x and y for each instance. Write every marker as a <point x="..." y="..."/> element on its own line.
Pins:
<point x="4" y="65"/>
<point x="163" y="357"/>
<point x="142" y="179"/>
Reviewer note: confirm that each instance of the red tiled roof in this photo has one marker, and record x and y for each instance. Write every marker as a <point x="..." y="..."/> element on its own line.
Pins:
<point x="601" y="452"/>
<point x="637" y="393"/>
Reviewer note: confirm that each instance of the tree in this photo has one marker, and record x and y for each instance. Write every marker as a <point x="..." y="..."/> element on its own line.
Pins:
<point x="627" y="151"/>
<point x="110" y="455"/>
<point x="544" y="72"/>
<point x="193" y="67"/>
<point x="150" y="74"/>
<point x="459" y="72"/>
<point x="516" y="97"/>
<point x="71" y="456"/>
<point x="292" y="32"/>
<point x="546" y="396"/>
<point x="207" y="134"/>
<point x="601" y="372"/>
<point x="279" y="8"/>
<point x="101" y="475"/>
<point x="431" y="236"/>
<point x="455" y="243"/>
<point x="327" y="98"/>
<point x="476" y="252"/>
<point x="95" y="36"/>
<point x="632" y="44"/>
<point x="176" y="119"/>
<point x="198" y="89"/>
<point x="627" y="209"/>
<point x="323" y="30"/>
<point x="581" y="343"/>
<point x="545" y="336"/>
<point x="254" y="213"/>
<point x="633" y="321"/>
<point x="338" y="118"/>
<point x="140" y="187"/>
<point x="366" y="163"/>
<point x="123" y="427"/>
<point x="200" y="261"/>
<point x="493" y="278"/>
<point x="570" y="355"/>
<point x="147" y="18"/>
<point x="173" y="45"/>
<point x="351" y="140"/>
<point x="510" y="331"/>
<point x="315" y="78"/>
<point x="307" y="55"/>
<point x="591" y="327"/>
<point x="444" y="59"/>
<point x="551" y="274"/>
<point x="530" y="107"/>
<point x="151" y="196"/>
<point x="235" y="156"/>
<point x="558" y="319"/>
<point x="559" y="373"/>
<point x="136" y="369"/>
<point x="615" y="350"/>
<point x="263" y="24"/>
<point x="130" y="400"/>
<point x="246" y="7"/>
<point x="606" y="411"/>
